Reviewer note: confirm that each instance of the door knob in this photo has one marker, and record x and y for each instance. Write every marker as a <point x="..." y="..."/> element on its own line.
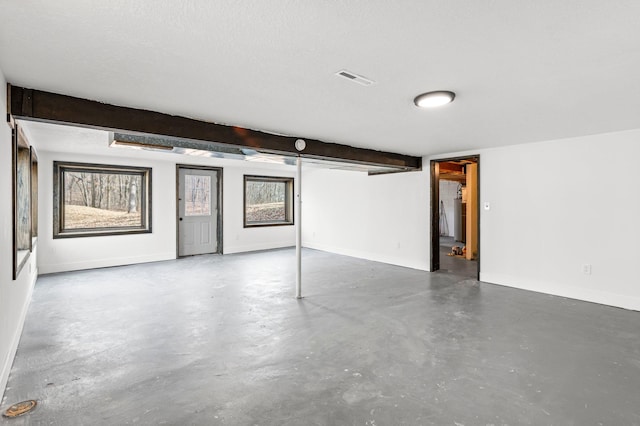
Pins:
<point x="180" y="218"/>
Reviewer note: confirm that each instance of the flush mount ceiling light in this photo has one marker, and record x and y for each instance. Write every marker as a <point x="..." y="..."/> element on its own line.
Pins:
<point x="434" y="99"/>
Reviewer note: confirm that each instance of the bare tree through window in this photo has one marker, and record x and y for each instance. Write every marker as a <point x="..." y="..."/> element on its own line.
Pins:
<point x="268" y="201"/>
<point x="198" y="195"/>
<point x="101" y="198"/>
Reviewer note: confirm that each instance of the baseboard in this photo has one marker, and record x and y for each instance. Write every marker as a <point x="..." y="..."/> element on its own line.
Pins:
<point x="105" y="263"/>
<point x="256" y="247"/>
<point x="375" y="257"/>
<point x="570" y="292"/>
<point x="8" y="361"/>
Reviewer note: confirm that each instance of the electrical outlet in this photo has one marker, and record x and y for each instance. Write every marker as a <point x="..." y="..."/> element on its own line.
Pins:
<point x="586" y="269"/>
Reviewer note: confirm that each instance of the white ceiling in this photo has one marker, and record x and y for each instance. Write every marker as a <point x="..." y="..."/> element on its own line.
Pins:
<point x="523" y="70"/>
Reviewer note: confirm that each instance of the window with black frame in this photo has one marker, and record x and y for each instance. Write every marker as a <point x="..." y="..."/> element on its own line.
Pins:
<point x="22" y="200"/>
<point x="268" y="201"/>
<point x="98" y="199"/>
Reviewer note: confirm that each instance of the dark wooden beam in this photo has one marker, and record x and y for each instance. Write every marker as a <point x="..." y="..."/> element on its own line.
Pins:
<point x="454" y="178"/>
<point x="30" y="104"/>
<point x="10" y="120"/>
<point x="450" y="167"/>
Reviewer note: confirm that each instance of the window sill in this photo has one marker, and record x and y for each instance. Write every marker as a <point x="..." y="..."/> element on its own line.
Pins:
<point x="263" y="224"/>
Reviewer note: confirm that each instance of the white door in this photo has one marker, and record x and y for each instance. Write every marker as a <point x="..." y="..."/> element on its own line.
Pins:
<point x="197" y="211"/>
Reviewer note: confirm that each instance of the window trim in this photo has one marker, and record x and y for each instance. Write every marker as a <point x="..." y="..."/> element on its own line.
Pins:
<point x="288" y="201"/>
<point x="34" y="196"/>
<point x="21" y="200"/>
<point x="59" y="167"/>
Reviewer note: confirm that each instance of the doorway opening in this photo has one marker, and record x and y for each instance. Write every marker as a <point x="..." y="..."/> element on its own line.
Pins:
<point x="199" y="210"/>
<point x="455" y="216"/>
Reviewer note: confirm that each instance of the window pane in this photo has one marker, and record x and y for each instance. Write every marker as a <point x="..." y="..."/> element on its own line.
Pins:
<point x="23" y="236"/>
<point x="197" y="195"/>
<point x="265" y="201"/>
<point x="101" y="200"/>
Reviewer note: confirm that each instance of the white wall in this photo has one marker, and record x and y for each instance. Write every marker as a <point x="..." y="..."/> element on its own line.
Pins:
<point x="383" y="218"/>
<point x="67" y="254"/>
<point x="236" y="237"/>
<point x="14" y="295"/>
<point x="551" y="212"/>
<point x="552" y="206"/>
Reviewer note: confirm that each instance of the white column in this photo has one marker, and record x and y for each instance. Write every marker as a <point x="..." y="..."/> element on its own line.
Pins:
<point x="298" y="221"/>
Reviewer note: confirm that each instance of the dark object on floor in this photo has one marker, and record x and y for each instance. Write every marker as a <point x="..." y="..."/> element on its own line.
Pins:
<point x="20" y="408"/>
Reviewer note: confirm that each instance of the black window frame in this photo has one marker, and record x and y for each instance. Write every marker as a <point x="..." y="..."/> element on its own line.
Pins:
<point x="289" y="205"/>
<point x="60" y="167"/>
<point x="22" y="195"/>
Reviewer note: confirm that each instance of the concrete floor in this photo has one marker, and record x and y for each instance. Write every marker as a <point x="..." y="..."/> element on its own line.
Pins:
<point x="214" y="340"/>
<point x="456" y="265"/>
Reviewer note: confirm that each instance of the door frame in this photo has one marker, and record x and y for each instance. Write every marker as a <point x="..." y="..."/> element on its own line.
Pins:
<point x="435" y="209"/>
<point x="219" y="192"/>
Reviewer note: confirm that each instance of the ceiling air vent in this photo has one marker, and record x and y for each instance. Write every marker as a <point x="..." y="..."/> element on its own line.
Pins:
<point x="355" y="77"/>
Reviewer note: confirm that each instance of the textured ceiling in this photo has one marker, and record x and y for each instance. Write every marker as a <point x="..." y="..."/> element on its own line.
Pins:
<point x="523" y="71"/>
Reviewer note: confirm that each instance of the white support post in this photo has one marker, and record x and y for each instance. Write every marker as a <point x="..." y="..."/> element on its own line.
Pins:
<point x="298" y="221"/>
